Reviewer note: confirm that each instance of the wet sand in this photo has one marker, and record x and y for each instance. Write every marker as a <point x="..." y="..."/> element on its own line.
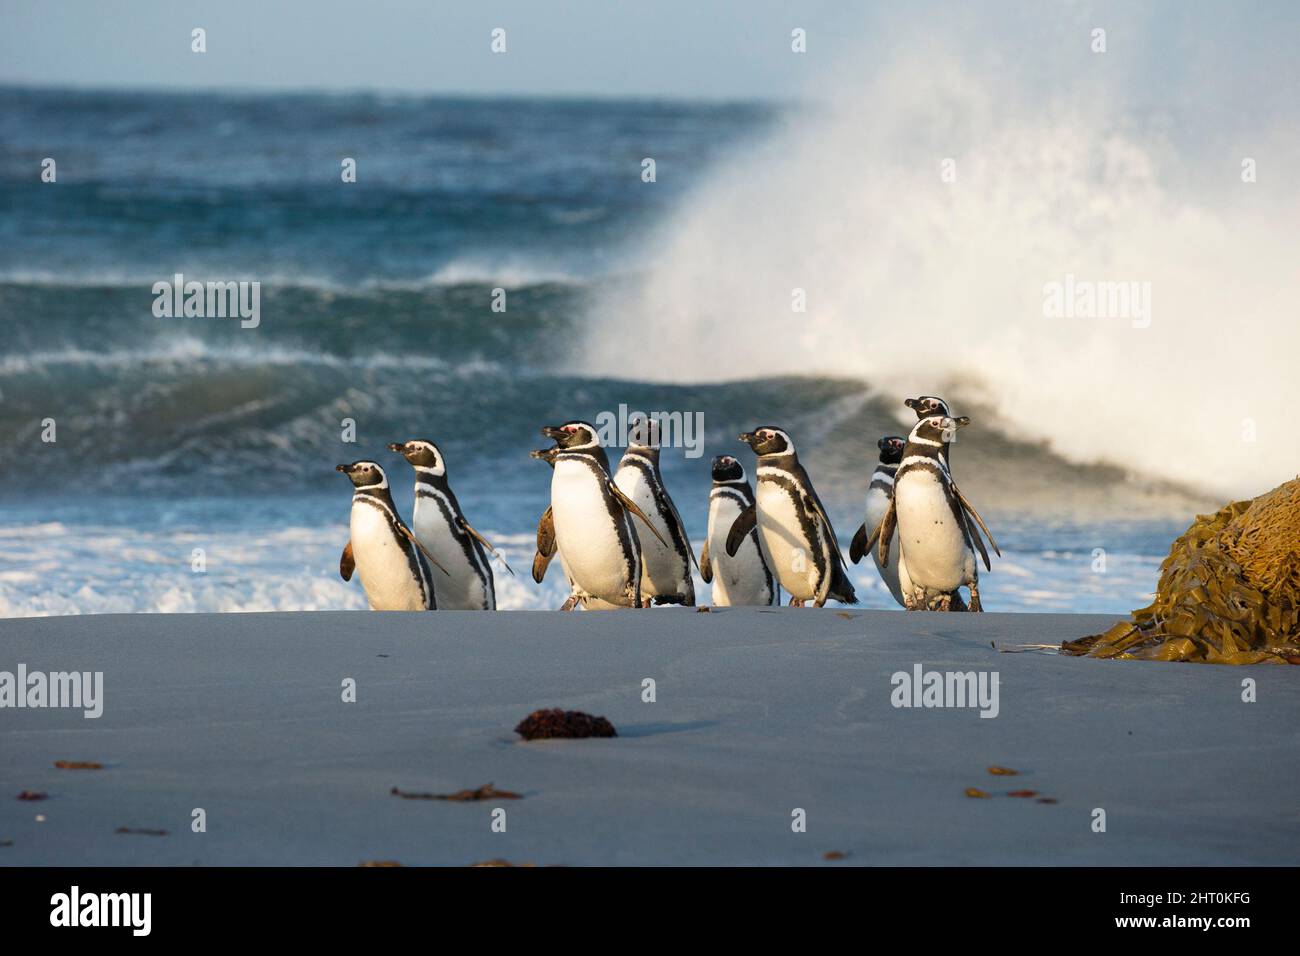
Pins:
<point x="757" y="713"/>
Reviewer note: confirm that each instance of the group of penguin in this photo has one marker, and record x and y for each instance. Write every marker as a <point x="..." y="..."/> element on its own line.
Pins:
<point x="622" y="544"/>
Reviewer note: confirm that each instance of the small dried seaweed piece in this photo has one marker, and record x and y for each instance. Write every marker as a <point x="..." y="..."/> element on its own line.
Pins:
<point x="501" y="863"/>
<point x="1003" y="771"/>
<point x="33" y="795"/>
<point x="141" y="831"/>
<point x="1047" y="800"/>
<point x="976" y="793"/>
<point x="834" y="855"/>
<point x="545" y="724"/>
<point x="78" y="765"/>
<point x="485" y="792"/>
<point x="1023" y="793"/>
<point x="378" y="863"/>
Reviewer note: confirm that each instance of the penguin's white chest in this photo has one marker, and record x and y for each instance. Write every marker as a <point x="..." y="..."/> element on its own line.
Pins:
<point x="587" y="533"/>
<point x="665" y="570"/>
<point x="742" y="579"/>
<point x="463" y="587"/>
<point x="382" y="562"/>
<point x="930" y="535"/>
<point x="780" y="524"/>
<point x="877" y="504"/>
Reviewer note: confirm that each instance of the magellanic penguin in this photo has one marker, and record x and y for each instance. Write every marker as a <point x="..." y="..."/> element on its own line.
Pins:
<point x="592" y="519"/>
<point x="936" y="533"/>
<point x="665" y="568"/>
<point x="546" y="549"/>
<point x="441" y="527"/>
<point x="745" y="578"/>
<point x="792" y="523"/>
<point x="879" y="494"/>
<point x="928" y="406"/>
<point x="394" y="571"/>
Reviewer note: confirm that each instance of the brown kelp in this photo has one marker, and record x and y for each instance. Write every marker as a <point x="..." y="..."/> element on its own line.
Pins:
<point x="1229" y="592"/>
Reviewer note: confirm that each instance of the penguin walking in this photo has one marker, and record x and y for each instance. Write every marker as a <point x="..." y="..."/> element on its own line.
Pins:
<point x="440" y="526"/>
<point x="936" y="534"/>
<point x="665" y="568"/>
<point x="546" y="548"/>
<point x="792" y="524"/>
<point x="879" y="494"/>
<point x="592" y="520"/>
<point x="928" y="406"/>
<point x="745" y="578"/>
<point x="394" y="571"/>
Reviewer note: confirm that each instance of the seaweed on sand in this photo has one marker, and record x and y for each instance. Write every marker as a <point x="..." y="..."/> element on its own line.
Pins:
<point x="1229" y="592"/>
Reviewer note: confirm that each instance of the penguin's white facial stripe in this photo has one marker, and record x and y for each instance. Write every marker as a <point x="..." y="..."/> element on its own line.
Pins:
<point x="437" y="470"/>
<point x="583" y="430"/>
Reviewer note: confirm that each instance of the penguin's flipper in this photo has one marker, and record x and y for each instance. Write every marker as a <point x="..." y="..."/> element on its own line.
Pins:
<point x="425" y="551"/>
<point x="347" y="563"/>
<point x="859" y="546"/>
<point x="546" y="534"/>
<point x="886" y="530"/>
<point x="830" y="531"/>
<point x="635" y="509"/>
<point x="978" y="541"/>
<point x="540" y="563"/>
<point x="742" y="526"/>
<point x="976" y="515"/>
<point x="666" y="504"/>
<point x="545" y="545"/>
<point x="487" y="544"/>
<point x="706" y="566"/>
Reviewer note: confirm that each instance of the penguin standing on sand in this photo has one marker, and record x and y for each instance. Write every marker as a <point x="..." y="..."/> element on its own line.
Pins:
<point x="592" y="519"/>
<point x="381" y="548"/>
<point x="792" y="524"/>
<point x="546" y="548"/>
<point x="441" y="527"/>
<point x="745" y="578"/>
<point x="665" y="568"/>
<point x="879" y="494"/>
<point x="928" y="406"/>
<point x="933" y="520"/>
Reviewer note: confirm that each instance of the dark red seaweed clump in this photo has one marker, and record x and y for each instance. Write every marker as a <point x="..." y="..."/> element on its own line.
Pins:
<point x="544" y="724"/>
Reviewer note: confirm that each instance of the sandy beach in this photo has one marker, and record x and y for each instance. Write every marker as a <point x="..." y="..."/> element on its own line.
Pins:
<point x="757" y="713"/>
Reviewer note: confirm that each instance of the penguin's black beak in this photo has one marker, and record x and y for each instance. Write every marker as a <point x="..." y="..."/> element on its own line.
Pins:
<point x="398" y="447"/>
<point x="961" y="422"/>
<point x="553" y="432"/>
<point x="911" y="403"/>
<point x="346" y="469"/>
<point x="749" y="438"/>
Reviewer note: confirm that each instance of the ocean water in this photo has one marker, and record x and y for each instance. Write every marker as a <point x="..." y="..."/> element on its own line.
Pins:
<point x="193" y="466"/>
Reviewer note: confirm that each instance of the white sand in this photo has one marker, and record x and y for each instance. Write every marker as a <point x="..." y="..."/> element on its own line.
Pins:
<point x="758" y="712"/>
